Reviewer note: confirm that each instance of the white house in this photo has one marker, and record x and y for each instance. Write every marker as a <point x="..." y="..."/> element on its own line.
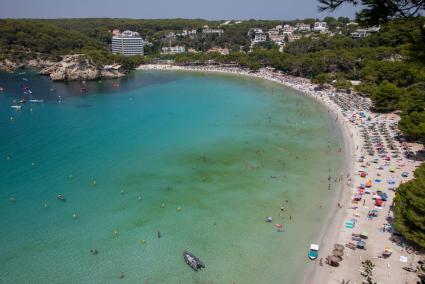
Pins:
<point x="320" y="27"/>
<point x="301" y="27"/>
<point x="173" y="49"/>
<point x="208" y="30"/>
<point x="259" y="37"/>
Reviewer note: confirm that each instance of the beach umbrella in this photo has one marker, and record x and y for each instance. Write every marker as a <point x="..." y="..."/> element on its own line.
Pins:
<point x="339" y="247"/>
<point x="364" y="235"/>
<point x="337" y="253"/>
<point x="279" y="226"/>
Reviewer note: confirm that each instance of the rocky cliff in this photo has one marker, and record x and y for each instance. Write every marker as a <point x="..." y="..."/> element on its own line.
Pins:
<point x="79" y="67"/>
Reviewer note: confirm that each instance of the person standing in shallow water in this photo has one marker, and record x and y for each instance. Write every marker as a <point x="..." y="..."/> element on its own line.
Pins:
<point x="158" y="234"/>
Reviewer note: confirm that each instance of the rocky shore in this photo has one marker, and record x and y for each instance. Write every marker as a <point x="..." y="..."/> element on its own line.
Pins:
<point x="70" y="68"/>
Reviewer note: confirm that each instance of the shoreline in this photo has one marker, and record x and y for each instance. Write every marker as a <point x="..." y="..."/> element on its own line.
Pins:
<point x="353" y="147"/>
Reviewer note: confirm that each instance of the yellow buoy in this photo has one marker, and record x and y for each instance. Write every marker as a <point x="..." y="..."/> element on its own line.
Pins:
<point x="115" y="232"/>
<point x="143" y="242"/>
<point x="179" y="209"/>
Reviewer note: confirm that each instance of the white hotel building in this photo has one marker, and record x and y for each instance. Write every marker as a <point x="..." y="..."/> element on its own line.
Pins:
<point x="127" y="43"/>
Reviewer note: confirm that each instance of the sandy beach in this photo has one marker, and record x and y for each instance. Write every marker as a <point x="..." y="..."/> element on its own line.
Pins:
<point x="376" y="164"/>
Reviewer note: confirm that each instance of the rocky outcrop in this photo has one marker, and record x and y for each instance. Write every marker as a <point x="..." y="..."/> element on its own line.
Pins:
<point x="72" y="67"/>
<point x="9" y="66"/>
<point x="111" y="73"/>
<point x="79" y="67"/>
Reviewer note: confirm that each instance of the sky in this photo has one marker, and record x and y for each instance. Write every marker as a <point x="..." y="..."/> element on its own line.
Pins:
<point x="149" y="9"/>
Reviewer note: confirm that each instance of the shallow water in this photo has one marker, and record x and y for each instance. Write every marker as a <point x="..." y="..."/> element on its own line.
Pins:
<point x="227" y="150"/>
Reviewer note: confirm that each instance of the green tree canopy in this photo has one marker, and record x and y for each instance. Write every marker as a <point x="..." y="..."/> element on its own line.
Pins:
<point x="409" y="209"/>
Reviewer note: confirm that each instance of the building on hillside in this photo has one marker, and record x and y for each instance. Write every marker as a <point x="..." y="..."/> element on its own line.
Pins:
<point x="191" y="32"/>
<point x="259" y="37"/>
<point x="352" y="24"/>
<point x="222" y="51"/>
<point x="273" y="32"/>
<point x="359" y="33"/>
<point x="320" y="27"/>
<point x="292" y="37"/>
<point x="173" y="49"/>
<point x="288" y="29"/>
<point x="127" y="43"/>
<point x="208" y="30"/>
<point x="301" y="27"/>
<point x="170" y="36"/>
<point x="115" y="32"/>
<point x="278" y="39"/>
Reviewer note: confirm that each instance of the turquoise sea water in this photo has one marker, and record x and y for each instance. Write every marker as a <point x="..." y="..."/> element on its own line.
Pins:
<point x="227" y="150"/>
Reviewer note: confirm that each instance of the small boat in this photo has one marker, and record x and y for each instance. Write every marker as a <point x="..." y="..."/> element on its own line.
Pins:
<point x="17" y="107"/>
<point x="61" y="197"/>
<point x="313" y="253"/>
<point x="36" y="101"/>
<point x="193" y="261"/>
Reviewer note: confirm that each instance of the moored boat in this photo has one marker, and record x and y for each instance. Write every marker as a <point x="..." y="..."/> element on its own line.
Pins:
<point x="36" y="101"/>
<point x="17" y="107"/>
<point x="313" y="253"/>
<point x="61" y="197"/>
<point x="193" y="261"/>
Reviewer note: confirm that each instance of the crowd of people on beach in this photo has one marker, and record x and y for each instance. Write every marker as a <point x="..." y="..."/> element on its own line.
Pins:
<point x="382" y="160"/>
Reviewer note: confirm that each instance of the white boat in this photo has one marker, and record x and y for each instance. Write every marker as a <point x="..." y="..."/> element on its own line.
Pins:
<point x="313" y="253"/>
<point x="36" y="101"/>
<point x="18" y="107"/>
